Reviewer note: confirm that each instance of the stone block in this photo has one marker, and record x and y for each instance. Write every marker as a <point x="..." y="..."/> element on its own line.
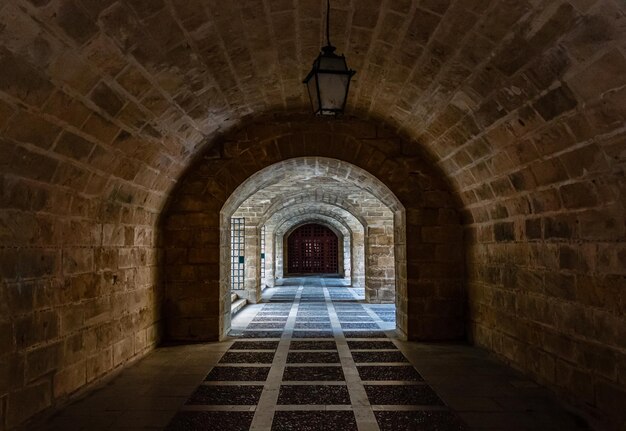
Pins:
<point x="604" y="74"/>
<point x="545" y="201"/>
<point x="20" y="298"/>
<point x="12" y="371"/>
<point x="107" y="99"/>
<point x="69" y="379"/>
<point x="560" y="227"/>
<point x="97" y="311"/>
<point x="504" y="231"/>
<point x="113" y="235"/>
<point x="75" y="23"/>
<point x="36" y="328"/>
<point x="562" y="286"/>
<point x="141" y="341"/>
<point x="78" y="260"/>
<point x="7" y="338"/>
<point x="73" y="349"/>
<point x="106" y="258"/>
<point x="533" y="229"/>
<point x="22" y="80"/>
<point x="602" y="224"/>
<point x="29" y="164"/>
<point x="548" y="172"/>
<point x="442" y="234"/>
<point x="9" y="261"/>
<point x="72" y="318"/>
<point x="32" y="129"/>
<point x="74" y="146"/>
<point x="43" y="360"/>
<point x="99" y="364"/>
<point x="122" y="351"/>
<point x="64" y="107"/>
<point x="26" y="402"/>
<point x="578" y="195"/>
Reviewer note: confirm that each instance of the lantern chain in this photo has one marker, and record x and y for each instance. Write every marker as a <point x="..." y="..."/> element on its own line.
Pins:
<point x="328" y="22"/>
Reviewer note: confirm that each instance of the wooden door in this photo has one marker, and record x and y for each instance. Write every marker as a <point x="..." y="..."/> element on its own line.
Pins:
<point x="312" y="249"/>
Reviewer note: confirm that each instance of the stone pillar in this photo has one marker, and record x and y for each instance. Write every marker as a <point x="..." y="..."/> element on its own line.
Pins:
<point x="252" y="286"/>
<point x="269" y="280"/>
<point x="399" y="239"/>
<point x="279" y="259"/>
<point x="358" y="259"/>
<point x="380" y="271"/>
<point x="347" y="257"/>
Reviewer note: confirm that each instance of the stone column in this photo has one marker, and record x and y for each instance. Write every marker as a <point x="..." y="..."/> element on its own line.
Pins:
<point x="279" y="259"/>
<point x="269" y="258"/>
<point x="399" y="239"/>
<point x="358" y="259"/>
<point x="252" y="286"/>
<point x="347" y="257"/>
<point x="380" y="265"/>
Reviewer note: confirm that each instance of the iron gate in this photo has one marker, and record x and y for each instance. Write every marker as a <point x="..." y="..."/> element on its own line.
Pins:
<point x="312" y="249"/>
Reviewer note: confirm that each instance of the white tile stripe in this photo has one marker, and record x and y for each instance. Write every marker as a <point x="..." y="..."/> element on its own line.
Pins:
<point x="365" y="419"/>
<point x="266" y="407"/>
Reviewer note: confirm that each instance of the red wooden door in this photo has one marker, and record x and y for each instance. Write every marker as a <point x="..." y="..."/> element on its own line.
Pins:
<point x="312" y="249"/>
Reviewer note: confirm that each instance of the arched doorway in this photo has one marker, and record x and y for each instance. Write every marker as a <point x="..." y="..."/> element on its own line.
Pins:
<point x="312" y="249"/>
<point x="426" y="281"/>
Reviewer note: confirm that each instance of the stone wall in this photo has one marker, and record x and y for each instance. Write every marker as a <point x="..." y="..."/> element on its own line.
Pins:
<point x="196" y="294"/>
<point x="77" y="300"/>
<point x="540" y="166"/>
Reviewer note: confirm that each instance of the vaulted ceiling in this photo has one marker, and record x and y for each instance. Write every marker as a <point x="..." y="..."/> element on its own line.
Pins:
<point x="114" y="98"/>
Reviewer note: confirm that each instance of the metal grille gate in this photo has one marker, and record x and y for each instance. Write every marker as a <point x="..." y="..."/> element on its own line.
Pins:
<point x="237" y="259"/>
<point x="313" y="249"/>
<point x="263" y="253"/>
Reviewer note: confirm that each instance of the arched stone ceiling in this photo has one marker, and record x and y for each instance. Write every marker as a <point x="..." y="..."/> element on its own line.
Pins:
<point x="266" y="202"/>
<point x="123" y="94"/>
<point x="309" y="178"/>
<point x="296" y="221"/>
<point x="281" y="217"/>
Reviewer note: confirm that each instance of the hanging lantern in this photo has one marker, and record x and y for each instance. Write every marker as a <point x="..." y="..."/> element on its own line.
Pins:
<point x="328" y="81"/>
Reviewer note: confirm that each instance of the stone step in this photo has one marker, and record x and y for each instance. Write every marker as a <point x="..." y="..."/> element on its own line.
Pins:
<point x="237" y="305"/>
<point x="233" y="298"/>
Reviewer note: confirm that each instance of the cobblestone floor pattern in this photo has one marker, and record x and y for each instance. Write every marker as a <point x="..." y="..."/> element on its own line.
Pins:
<point x="314" y="356"/>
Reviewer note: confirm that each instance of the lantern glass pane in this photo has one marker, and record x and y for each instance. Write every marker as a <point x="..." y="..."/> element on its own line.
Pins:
<point x="333" y="89"/>
<point x="333" y="63"/>
<point x="312" y="87"/>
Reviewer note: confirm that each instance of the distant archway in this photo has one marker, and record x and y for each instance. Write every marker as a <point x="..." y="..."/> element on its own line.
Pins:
<point x="429" y="292"/>
<point x="313" y="248"/>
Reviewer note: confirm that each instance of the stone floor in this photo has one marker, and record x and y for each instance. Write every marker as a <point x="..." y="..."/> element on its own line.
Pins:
<point x="315" y="357"/>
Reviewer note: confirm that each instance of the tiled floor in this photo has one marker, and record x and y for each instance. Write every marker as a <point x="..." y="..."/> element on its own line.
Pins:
<point x="316" y="357"/>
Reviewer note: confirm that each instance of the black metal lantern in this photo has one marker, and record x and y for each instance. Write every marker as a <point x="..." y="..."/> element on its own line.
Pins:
<point x="328" y="81"/>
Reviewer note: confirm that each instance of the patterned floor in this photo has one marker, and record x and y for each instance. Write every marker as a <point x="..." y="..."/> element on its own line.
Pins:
<point x="315" y="357"/>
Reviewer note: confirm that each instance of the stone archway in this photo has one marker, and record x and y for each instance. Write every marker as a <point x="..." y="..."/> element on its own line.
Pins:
<point x="430" y="297"/>
<point x="350" y="229"/>
<point x="347" y="188"/>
